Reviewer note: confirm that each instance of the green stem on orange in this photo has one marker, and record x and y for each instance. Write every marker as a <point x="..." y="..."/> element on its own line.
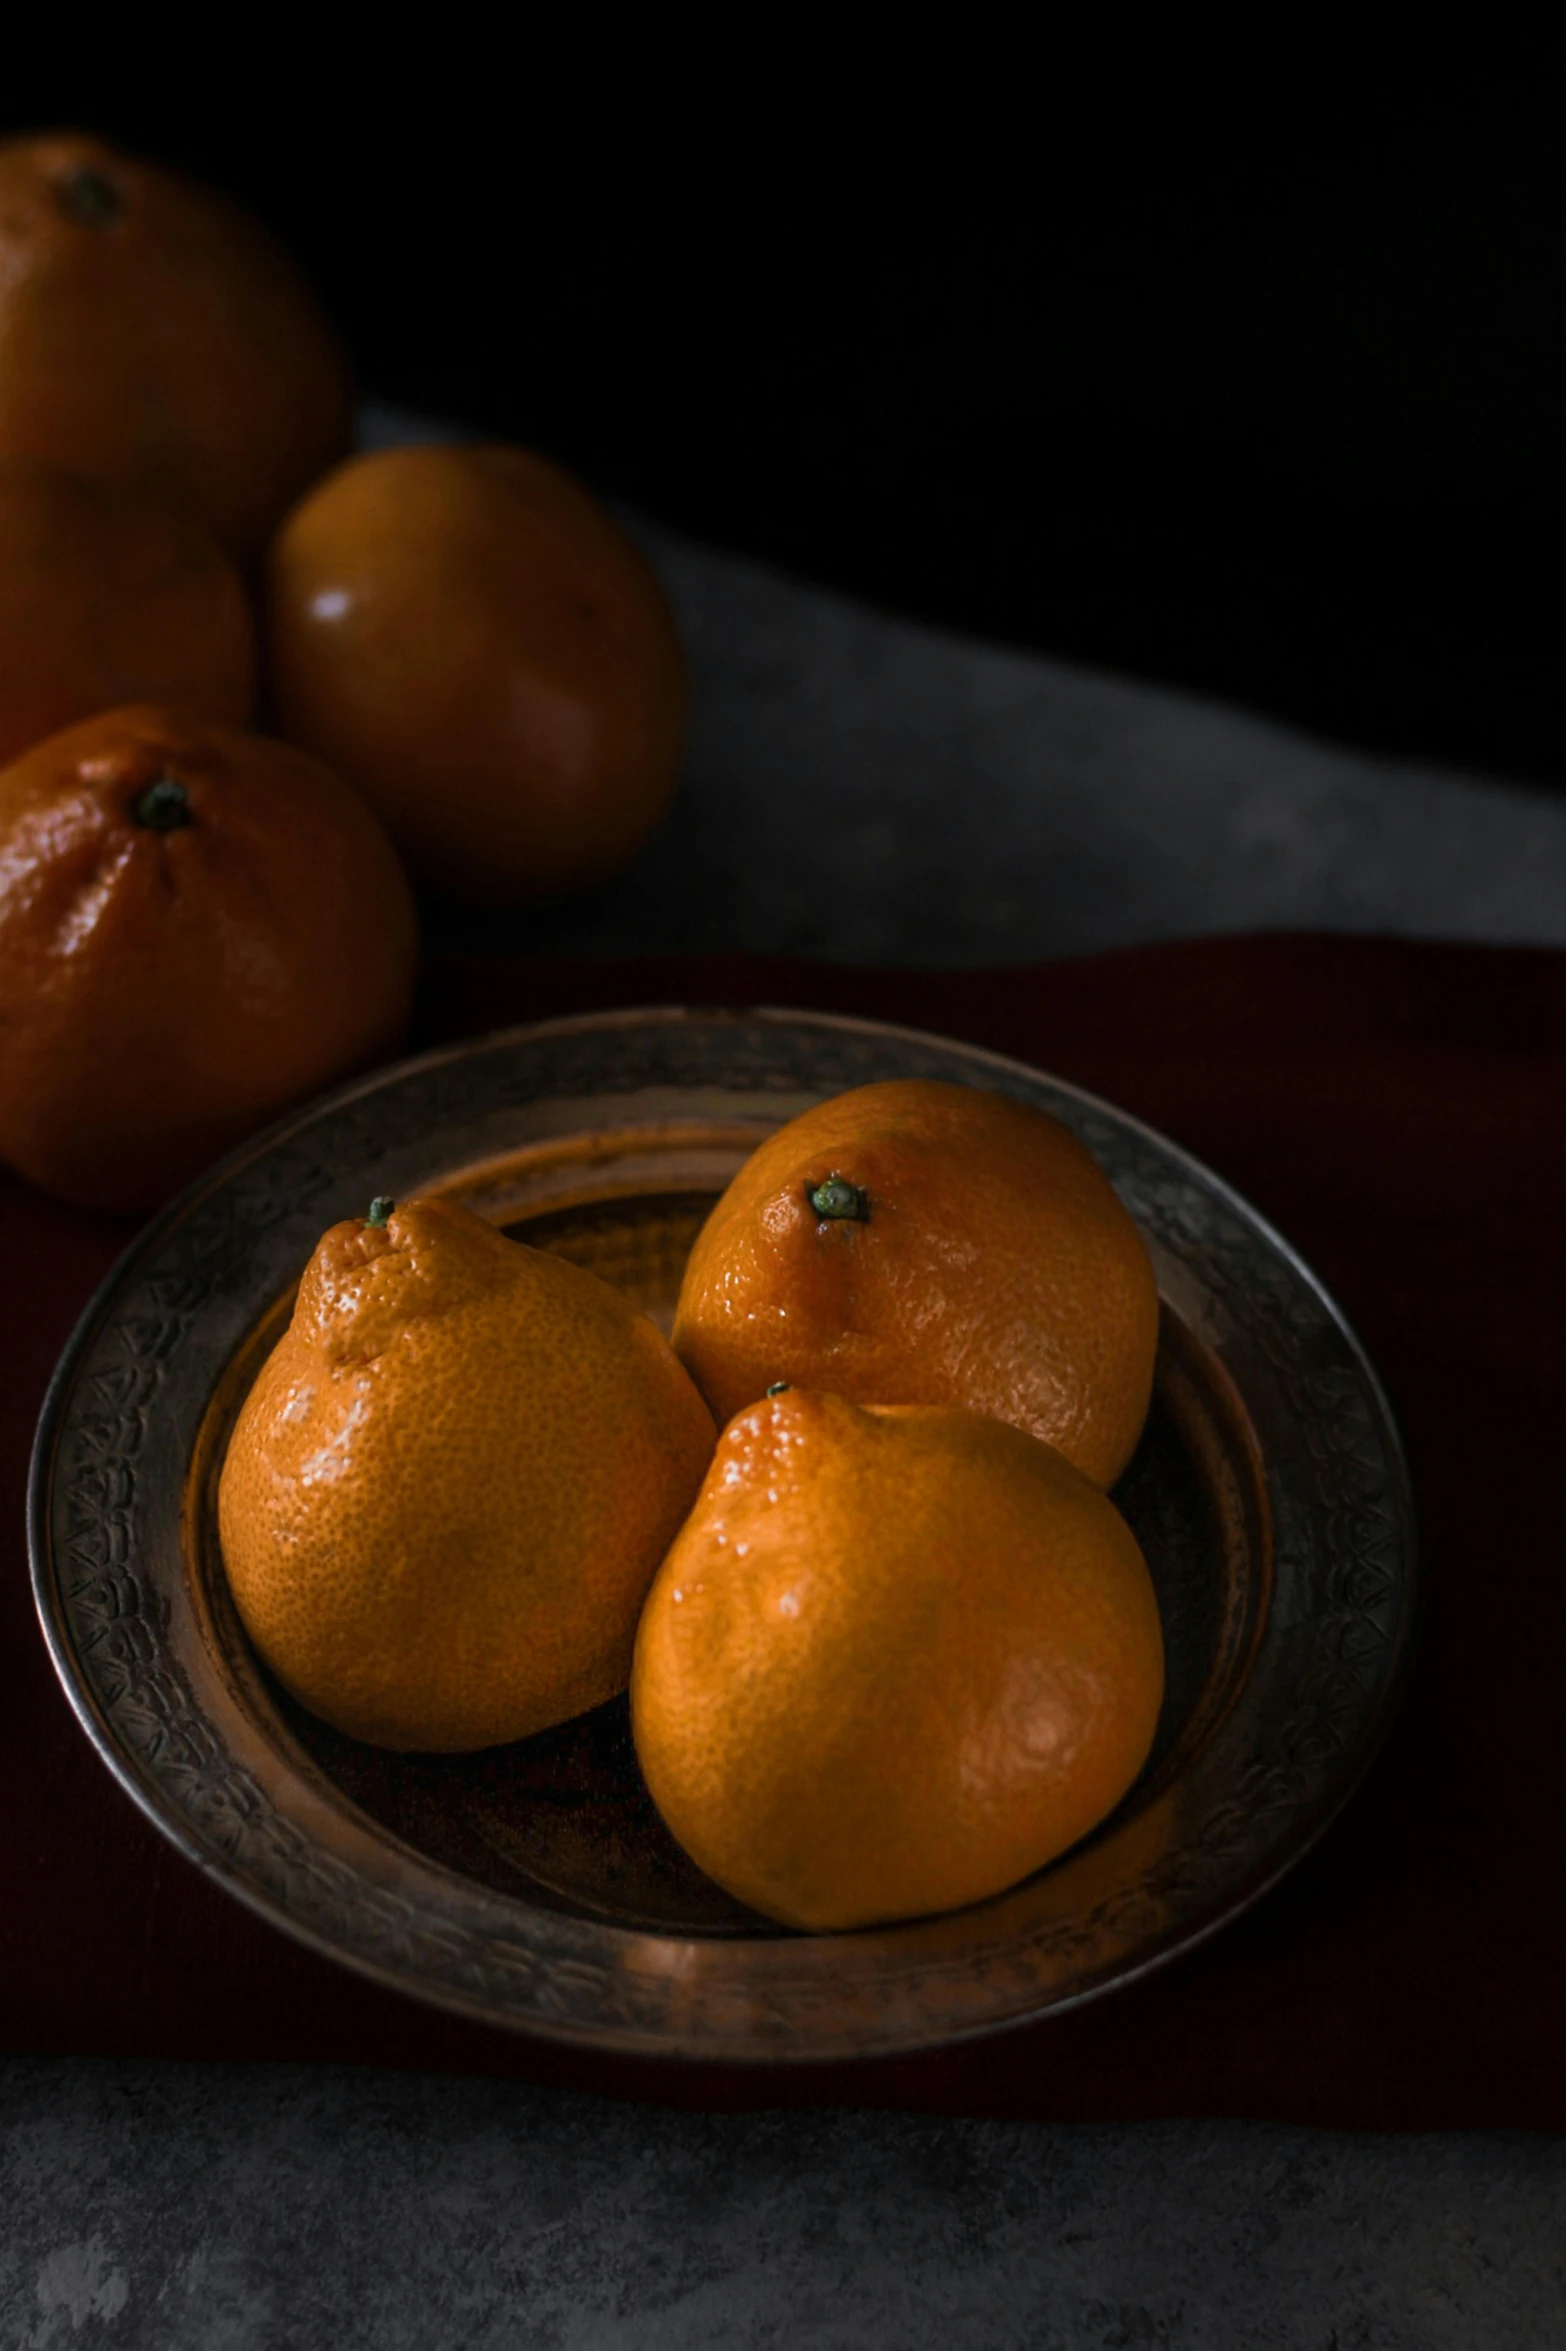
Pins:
<point x="778" y="1388"/>
<point x="380" y="1209"/>
<point x="88" y="197"/>
<point x="164" y="806"/>
<point x="840" y="1201"/>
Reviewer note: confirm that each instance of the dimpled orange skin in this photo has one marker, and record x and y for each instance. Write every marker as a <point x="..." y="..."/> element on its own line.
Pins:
<point x="472" y="639"/>
<point x="995" y="1268"/>
<point x="897" y="1659"/>
<point x="449" y="1489"/>
<point x="163" y="993"/>
<point x="152" y="330"/>
<point x="109" y="596"/>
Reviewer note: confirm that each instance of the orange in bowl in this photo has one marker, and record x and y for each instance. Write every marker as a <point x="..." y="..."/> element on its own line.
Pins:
<point x="898" y="1658"/>
<point x="916" y="1242"/>
<point x="451" y="1485"/>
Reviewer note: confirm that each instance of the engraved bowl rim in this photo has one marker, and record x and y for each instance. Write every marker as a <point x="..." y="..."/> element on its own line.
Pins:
<point x="134" y="1782"/>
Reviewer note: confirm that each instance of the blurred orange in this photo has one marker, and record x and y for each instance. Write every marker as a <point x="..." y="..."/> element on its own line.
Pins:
<point x="477" y="645"/>
<point x="197" y="927"/>
<point x="108" y="596"/>
<point x="151" y="329"/>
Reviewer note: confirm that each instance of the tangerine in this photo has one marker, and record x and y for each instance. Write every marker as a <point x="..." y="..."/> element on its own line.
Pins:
<point x="151" y="329"/>
<point x="915" y="1242"/>
<point x="197" y="928"/>
<point x="898" y="1658"/>
<point x="450" y="1486"/>
<point x="475" y="642"/>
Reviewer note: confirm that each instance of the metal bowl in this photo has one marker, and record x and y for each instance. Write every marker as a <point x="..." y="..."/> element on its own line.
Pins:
<point x="534" y="1885"/>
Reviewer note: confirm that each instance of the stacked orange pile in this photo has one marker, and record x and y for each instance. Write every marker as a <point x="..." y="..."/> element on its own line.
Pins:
<point x="462" y="664"/>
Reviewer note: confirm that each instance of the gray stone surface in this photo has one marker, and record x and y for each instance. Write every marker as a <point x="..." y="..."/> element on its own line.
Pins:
<point x="865" y="791"/>
<point x="222" y="2209"/>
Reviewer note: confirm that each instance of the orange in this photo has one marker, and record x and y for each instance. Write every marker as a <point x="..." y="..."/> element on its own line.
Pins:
<point x="898" y="1658"/>
<point x="151" y="329"/>
<point x="197" y="927"/>
<point x="449" y="1489"/>
<point x="109" y="596"/>
<point x="477" y="644"/>
<point x="922" y="1243"/>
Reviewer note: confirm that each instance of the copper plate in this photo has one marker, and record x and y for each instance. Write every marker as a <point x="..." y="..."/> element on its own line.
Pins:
<point x="534" y="1885"/>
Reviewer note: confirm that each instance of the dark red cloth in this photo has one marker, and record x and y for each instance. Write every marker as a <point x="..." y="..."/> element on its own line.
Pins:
<point x="1400" y="1112"/>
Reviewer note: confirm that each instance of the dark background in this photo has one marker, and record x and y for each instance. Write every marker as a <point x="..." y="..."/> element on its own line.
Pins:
<point x="1262" y="396"/>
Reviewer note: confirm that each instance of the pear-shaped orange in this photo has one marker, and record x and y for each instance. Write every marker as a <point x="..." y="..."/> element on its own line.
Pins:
<point x="450" y="1486"/>
<point x="897" y="1659"/>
